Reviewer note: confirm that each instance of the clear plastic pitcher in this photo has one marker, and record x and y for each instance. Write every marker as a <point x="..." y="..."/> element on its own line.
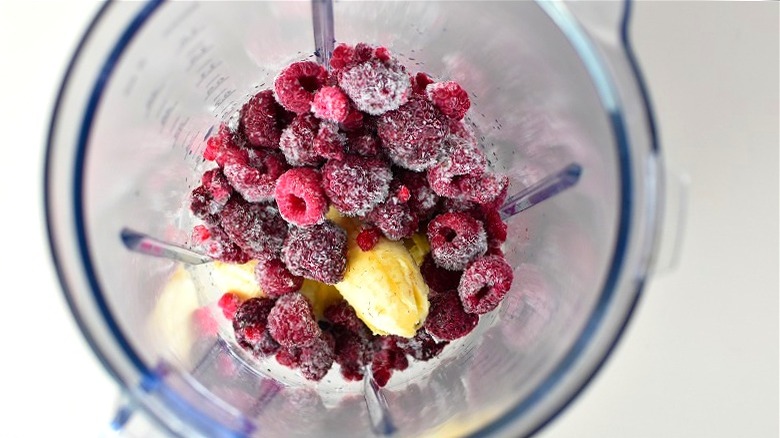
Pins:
<point x="552" y="84"/>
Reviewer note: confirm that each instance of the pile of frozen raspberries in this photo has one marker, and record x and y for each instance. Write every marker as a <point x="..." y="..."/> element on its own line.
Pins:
<point x="378" y="144"/>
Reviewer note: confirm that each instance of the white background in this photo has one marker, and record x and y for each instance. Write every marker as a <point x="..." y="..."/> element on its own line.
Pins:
<point x="700" y="358"/>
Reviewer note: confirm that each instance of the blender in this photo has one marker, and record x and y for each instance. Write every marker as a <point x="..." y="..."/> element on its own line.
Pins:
<point x="558" y="103"/>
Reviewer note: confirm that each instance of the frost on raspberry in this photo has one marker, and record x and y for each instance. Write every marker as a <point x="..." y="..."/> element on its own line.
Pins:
<point x="318" y="252"/>
<point x="438" y="279"/>
<point x="300" y="198"/>
<point x="450" y="98"/>
<point x="224" y="146"/>
<point x="342" y="314"/>
<point x="262" y="120"/>
<point x="413" y="135"/>
<point x="250" y="323"/>
<point x="463" y="160"/>
<point x="394" y="218"/>
<point x="376" y="87"/>
<point x="484" y="284"/>
<point x="275" y="279"/>
<point x="330" y="103"/>
<point x="317" y="358"/>
<point x="422" y="199"/>
<point x="296" y="84"/>
<point x="297" y="141"/>
<point x="485" y="189"/>
<point x="356" y="184"/>
<point x="258" y="229"/>
<point x="456" y="239"/>
<point x="422" y="346"/>
<point x="217" y="244"/>
<point x="364" y="144"/>
<point x="388" y="356"/>
<point x="447" y="320"/>
<point x="330" y="143"/>
<point x="291" y="322"/>
<point x="254" y="176"/>
<point x="352" y="351"/>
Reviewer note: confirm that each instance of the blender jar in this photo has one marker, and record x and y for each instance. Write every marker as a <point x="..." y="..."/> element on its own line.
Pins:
<point x="552" y="84"/>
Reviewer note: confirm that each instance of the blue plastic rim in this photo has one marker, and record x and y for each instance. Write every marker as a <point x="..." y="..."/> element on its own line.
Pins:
<point x="607" y="94"/>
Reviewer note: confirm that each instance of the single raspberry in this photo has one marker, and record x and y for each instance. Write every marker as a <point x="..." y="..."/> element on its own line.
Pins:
<point x="456" y="239"/>
<point x="495" y="227"/>
<point x="422" y="199"/>
<point x="255" y="178"/>
<point x="353" y="352"/>
<point x="356" y="184"/>
<point x="329" y="142"/>
<point x="257" y="229"/>
<point x="262" y="120"/>
<point x="439" y="280"/>
<point x="382" y="54"/>
<point x="343" y="315"/>
<point x="462" y="131"/>
<point x="463" y="161"/>
<point x="367" y="238"/>
<point x="484" y="284"/>
<point x="422" y="346"/>
<point x="250" y="321"/>
<point x="289" y="357"/>
<point x="203" y="205"/>
<point x="223" y="146"/>
<point x="420" y="82"/>
<point x="446" y="318"/>
<point x="297" y="141"/>
<point x="300" y="198"/>
<point x="330" y="103"/>
<point x="217" y="184"/>
<point x="229" y="303"/>
<point x="317" y="358"/>
<point x="218" y="245"/>
<point x="318" y="252"/>
<point x="450" y="98"/>
<point x="376" y="87"/>
<point x="353" y="122"/>
<point x="364" y="144"/>
<point x="394" y="218"/>
<point x="296" y="84"/>
<point x="275" y="279"/>
<point x="341" y="57"/>
<point x="291" y="321"/>
<point x="483" y="189"/>
<point x="413" y="134"/>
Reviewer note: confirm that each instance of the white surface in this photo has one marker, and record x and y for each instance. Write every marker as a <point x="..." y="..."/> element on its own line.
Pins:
<point x="700" y="358"/>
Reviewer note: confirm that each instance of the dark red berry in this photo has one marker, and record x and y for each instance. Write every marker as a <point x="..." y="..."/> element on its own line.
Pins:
<point x="262" y="120"/>
<point x="257" y="229"/>
<point x="422" y="346"/>
<point x="483" y="189"/>
<point x="446" y="318"/>
<point x="229" y="303"/>
<point x="317" y="358"/>
<point x="420" y="82"/>
<point x="318" y="252"/>
<point x="463" y="161"/>
<point x="275" y="279"/>
<point x="297" y="141"/>
<point x="353" y="122"/>
<point x="484" y="284"/>
<point x="203" y="205"/>
<point x="217" y="185"/>
<point x="342" y="57"/>
<point x="343" y="315"/>
<point x="329" y="142"/>
<point x="223" y="147"/>
<point x="352" y="352"/>
<point x="330" y="103"/>
<point x="250" y="322"/>
<point x="217" y="244"/>
<point x="495" y="227"/>
<point x="367" y="238"/>
<point x="296" y="84"/>
<point x="356" y="184"/>
<point x="300" y="197"/>
<point x="450" y="98"/>
<point x="422" y="199"/>
<point x="291" y="321"/>
<point x="456" y="239"/>
<point x="255" y="177"/>
<point x="365" y="144"/>
<point x="413" y="135"/>
<point x="438" y="279"/>
<point x="289" y="357"/>
<point x="394" y="218"/>
<point x="376" y="87"/>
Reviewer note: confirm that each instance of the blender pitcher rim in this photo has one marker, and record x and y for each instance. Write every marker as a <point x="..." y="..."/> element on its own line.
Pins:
<point x="496" y="425"/>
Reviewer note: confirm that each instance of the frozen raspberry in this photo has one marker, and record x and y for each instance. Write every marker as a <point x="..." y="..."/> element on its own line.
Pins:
<point x="229" y="303"/>
<point x="296" y="84"/>
<point x="382" y="54"/>
<point x="365" y="144"/>
<point x="439" y="280"/>
<point x="297" y="141"/>
<point x="460" y="130"/>
<point x="388" y="357"/>
<point x="394" y="218"/>
<point x="422" y="199"/>
<point x="300" y="198"/>
<point x="217" y="244"/>
<point x="262" y="120"/>
<point x="499" y="200"/>
<point x="422" y="346"/>
<point x="275" y="279"/>
<point x="250" y="321"/>
<point x="446" y="318"/>
<point x="483" y="189"/>
<point x="484" y="284"/>
<point x="403" y="194"/>
<point x="345" y="57"/>
<point x="376" y="87"/>
<point x="318" y="252"/>
<point x="356" y="184"/>
<point x="464" y="160"/>
<point x="291" y="321"/>
<point x="203" y="205"/>
<point x="450" y="98"/>
<point x="218" y="186"/>
<point x="223" y="147"/>
<point x="317" y="358"/>
<point x="289" y="357"/>
<point x="420" y="82"/>
<point x="352" y="352"/>
<point x="343" y="315"/>
<point x="367" y="238"/>
<point x="413" y="134"/>
<point x="330" y="103"/>
<point x="329" y="142"/>
<point x="494" y="250"/>
<point x="495" y="228"/>
<point x="447" y="205"/>
<point x="255" y="177"/>
<point x="456" y="239"/>
<point x="257" y="229"/>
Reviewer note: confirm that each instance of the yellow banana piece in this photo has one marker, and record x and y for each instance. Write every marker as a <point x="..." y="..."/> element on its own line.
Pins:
<point x="239" y="279"/>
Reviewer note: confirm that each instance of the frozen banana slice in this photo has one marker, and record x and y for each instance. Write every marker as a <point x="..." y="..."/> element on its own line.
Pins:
<point x="418" y="247"/>
<point x="239" y="279"/>
<point x="320" y="295"/>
